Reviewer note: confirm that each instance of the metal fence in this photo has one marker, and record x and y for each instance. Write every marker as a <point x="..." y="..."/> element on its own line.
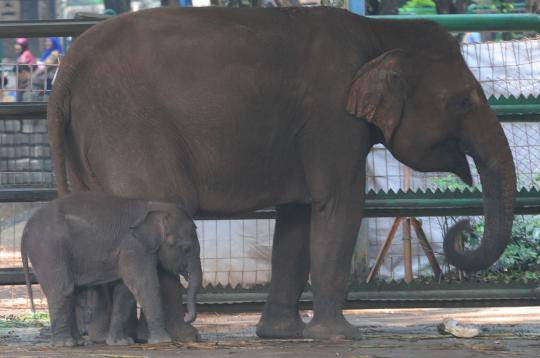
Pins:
<point x="238" y="251"/>
<point x="25" y="83"/>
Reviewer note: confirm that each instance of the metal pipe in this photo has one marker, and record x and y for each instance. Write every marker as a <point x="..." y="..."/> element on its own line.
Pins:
<point x="506" y="112"/>
<point x="377" y="205"/>
<point x="478" y="22"/>
<point x="390" y="295"/>
<point x="44" y="28"/>
<point x="457" y="23"/>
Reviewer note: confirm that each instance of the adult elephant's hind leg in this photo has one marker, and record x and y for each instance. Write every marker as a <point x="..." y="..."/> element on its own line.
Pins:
<point x="290" y="270"/>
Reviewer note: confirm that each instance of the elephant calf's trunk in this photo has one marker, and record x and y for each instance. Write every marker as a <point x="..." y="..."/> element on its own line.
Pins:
<point x="194" y="283"/>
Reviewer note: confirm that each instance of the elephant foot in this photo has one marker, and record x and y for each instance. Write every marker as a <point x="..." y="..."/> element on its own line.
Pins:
<point x="161" y="337"/>
<point x="119" y="341"/>
<point x="84" y="342"/>
<point x="184" y="332"/>
<point x="65" y="342"/>
<point x="281" y="327"/>
<point x="98" y="337"/>
<point x="335" y="329"/>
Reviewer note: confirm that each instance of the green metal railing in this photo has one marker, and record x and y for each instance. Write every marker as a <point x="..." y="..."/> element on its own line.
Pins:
<point x="520" y="109"/>
<point x="510" y="109"/>
<point x="478" y="22"/>
<point x="430" y="203"/>
<point x="378" y="204"/>
<point x="455" y="23"/>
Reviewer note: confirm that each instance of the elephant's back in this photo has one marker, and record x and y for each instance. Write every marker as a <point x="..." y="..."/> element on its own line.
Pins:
<point x="220" y="94"/>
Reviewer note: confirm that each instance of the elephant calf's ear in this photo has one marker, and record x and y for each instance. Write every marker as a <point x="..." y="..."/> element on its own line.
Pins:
<point x="378" y="92"/>
<point x="150" y="230"/>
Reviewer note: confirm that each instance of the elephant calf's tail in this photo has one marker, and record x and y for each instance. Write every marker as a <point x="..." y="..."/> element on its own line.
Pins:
<point x="58" y="113"/>
<point x="24" y="257"/>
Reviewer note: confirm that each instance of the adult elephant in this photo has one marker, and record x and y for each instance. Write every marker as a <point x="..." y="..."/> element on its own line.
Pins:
<point x="232" y="110"/>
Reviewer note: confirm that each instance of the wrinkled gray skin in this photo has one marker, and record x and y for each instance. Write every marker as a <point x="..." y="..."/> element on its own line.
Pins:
<point x="232" y="110"/>
<point x="90" y="239"/>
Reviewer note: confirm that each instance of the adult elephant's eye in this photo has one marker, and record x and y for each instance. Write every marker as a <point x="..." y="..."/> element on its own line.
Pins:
<point x="462" y="104"/>
<point x="466" y="103"/>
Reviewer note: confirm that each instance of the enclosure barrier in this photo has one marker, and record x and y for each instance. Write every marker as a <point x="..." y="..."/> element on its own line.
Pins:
<point x="430" y="203"/>
<point x="455" y="23"/>
<point x="478" y="22"/>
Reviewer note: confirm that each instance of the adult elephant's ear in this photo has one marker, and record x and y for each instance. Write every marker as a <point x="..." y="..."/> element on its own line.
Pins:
<point x="378" y="92"/>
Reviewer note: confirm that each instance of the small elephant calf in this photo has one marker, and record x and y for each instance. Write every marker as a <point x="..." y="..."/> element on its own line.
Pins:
<point x="88" y="239"/>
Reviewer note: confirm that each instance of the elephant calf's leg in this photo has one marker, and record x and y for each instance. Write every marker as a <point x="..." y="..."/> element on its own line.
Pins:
<point x="140" y="276"/>
<point x="171" y="297"/>
<point x="123" y="305"/>
<point x="63" y="324"/>
<point x="290" y="270"/>
<point x="99" y="299"/>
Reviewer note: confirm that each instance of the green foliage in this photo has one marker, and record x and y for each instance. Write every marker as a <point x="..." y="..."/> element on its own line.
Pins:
<point x="449" y="182"/>
<point x="419" y="3"/>
<point x="521" y="259"/>
<point x="38" y="319"/>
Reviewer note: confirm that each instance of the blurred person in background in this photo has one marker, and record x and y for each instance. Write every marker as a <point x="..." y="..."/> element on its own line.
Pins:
<point x="23" y="68"/>
<point x="48" y="64"/>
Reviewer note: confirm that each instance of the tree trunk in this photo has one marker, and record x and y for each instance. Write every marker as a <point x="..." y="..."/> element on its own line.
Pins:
<point x="389" y="7"/>
<point x="373" y="7"/>
<point x="443" y="6"/>
<point x="170" y="3"/>
<point x="119" y="6"/>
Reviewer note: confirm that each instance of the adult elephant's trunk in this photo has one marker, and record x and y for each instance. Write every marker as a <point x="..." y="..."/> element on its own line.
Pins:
<point x="493" y="158"/>
<point x="194" y="284"/>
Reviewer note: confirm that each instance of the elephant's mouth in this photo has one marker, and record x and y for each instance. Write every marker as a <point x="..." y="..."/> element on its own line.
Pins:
<point x="463" y="171"/>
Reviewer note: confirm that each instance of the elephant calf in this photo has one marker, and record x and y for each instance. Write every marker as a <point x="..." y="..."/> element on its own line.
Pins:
<point x="89" y="239"/>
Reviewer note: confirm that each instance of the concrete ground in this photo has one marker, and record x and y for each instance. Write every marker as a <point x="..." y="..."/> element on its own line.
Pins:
<point x="391" y="333"/>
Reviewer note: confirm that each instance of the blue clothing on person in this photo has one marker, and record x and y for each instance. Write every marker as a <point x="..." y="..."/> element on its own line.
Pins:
<point x="56" y="45"/>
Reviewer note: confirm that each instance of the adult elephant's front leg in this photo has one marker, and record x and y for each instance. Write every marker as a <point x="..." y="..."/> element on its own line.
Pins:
<point x="335" y="224"/>
<point x="333" y="154"/>
<point x="290" y="270"/>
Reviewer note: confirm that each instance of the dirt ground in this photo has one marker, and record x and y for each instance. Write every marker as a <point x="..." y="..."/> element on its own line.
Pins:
<point x="392" y="333"/>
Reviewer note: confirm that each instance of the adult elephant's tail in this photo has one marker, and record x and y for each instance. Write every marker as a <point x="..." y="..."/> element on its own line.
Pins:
<point x="24" y="258"/>
<point x="58" y="113"/>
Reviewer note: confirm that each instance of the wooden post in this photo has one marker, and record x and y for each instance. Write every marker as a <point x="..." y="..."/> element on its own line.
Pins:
<point x="427" y="248"/>
<point x="361" y="252"/>
<point x="384" y="250"/>
<point x="407" y="251"/>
